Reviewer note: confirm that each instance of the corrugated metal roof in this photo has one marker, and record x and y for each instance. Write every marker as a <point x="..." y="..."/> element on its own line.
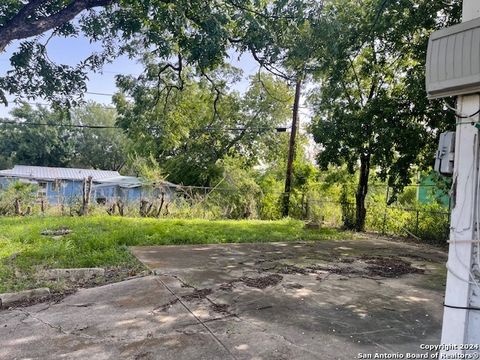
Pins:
<point x="129" y="182"/>
<point x="52" y="173"/>
<point x="122" y="181"/>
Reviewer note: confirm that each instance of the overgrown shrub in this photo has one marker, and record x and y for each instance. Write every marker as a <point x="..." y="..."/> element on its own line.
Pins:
<point x="271" y="199"/>
<point x="18" y="199"/>
<point x="348" y="209"/>
<point x="240" y="191"/>
<point x="429" y="222"/>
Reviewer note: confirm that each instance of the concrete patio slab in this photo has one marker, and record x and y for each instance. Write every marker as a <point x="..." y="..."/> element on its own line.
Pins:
<point x="315" y="300"/>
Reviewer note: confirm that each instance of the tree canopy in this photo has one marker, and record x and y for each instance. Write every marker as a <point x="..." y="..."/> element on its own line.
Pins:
<point x="194" y="31"/>
<point x="98" y="148"/>
<point x="33" y="144"/>
<point x="196" y="127"/>
<point x="42" y="137"/>
<point x="370" y="105"/>
<point x="177" y="34"/>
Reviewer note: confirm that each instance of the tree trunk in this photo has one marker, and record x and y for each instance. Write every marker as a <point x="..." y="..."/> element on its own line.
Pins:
<point x="362" y="190"/>
<point x="18" y="207"/>
<point x="111" y="209"/>
<point x="166" y="209"/>
<point x="121" y="207"/>
<point x="24" y="23"/>
<point x="159" y="209"/>
<point x="291" y="149"/>
<point x="143" y="208"/>
<point x="86" y="194"/>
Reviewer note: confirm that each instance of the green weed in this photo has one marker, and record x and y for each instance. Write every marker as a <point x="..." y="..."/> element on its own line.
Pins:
<point x="103" y="241"/>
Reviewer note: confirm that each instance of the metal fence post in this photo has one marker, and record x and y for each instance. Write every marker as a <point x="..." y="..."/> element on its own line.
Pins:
<point x="204" y="200"/>
<point x="416" y="223"/>
<point x="307" y="208"/>
<point x="385" y="212"/>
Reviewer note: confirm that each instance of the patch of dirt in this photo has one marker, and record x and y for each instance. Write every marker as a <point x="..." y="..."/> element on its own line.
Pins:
<point x="259" y="282"/>
<point x="260" y="260"/>
<point x="54" y="297"/>
<point x="347" y="270"/>
<point x="262" y="282"/>
<point x="185" y="285"/>
<point x="144" y="356"/>
<point x="416" y="257"/>
<point x="293" y="286"/>
<point x="69" y="287"/>
<point x="292" y="269"/>
<point x="228" y="286"/>
<point x="220" y="308"/>
<point x="390" y="267"/>
<point x="112" y="275"/>
<point x="376" y="266"/>
<point x="197" y="294"/>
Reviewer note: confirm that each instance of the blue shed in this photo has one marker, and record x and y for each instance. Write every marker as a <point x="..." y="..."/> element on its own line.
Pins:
<point x="64" y="185"/>
<point x="130" y="188"/>
<point x="56" y="185"/>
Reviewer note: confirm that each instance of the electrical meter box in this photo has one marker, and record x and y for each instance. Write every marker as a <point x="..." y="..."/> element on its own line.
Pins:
<point x="445" y="156"/>
<point x="453" y="60"/>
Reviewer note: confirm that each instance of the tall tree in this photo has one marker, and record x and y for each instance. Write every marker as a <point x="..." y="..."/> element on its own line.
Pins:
<point x="371" y="109"/>
<point x="279" y="36"/>
<point x="99" y="148"/>
<point x="43" y="137"/>
<point x="24" y="140"/>
<point x="189" y="130"/>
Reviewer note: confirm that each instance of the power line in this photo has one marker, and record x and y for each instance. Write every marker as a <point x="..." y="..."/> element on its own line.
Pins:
<point x="277" y="129"/>
<point x="118" y="73"/>
<point x="47" y="105"/>
<point x="13" y="122"/>
<point x="12" y="102"/>
<point x="86" y="92"/>
<point x="98" y="93"/>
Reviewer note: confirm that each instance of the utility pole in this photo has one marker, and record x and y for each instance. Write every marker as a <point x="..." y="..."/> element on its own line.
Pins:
<point x="291" y="148"/>
<point x="461" y="319"/>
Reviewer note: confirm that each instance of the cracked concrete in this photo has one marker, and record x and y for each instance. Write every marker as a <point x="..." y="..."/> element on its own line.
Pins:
<point x="198" y="307"/>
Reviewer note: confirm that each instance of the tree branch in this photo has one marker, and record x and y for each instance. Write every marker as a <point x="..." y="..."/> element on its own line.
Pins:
<point x="242" y="133"/>
<point x="357" y="80"/>
<point x="169" y="86"/>
<point x="218" y="94"/>
<point x="269" y="67"/>
<point x="266" y="16"/>
<point x="264" y="86"/>
<point x="21" y="27"/>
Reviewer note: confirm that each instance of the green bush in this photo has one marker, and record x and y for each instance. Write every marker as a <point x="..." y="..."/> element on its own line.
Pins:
<point x="429" y="222"/>
<point x="432" y="223"/>
<point x="18" y="199"/>
<point x="241" y="193"/>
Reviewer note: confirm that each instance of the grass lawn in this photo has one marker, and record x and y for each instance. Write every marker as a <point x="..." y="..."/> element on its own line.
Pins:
<point x="103" y="241"/>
